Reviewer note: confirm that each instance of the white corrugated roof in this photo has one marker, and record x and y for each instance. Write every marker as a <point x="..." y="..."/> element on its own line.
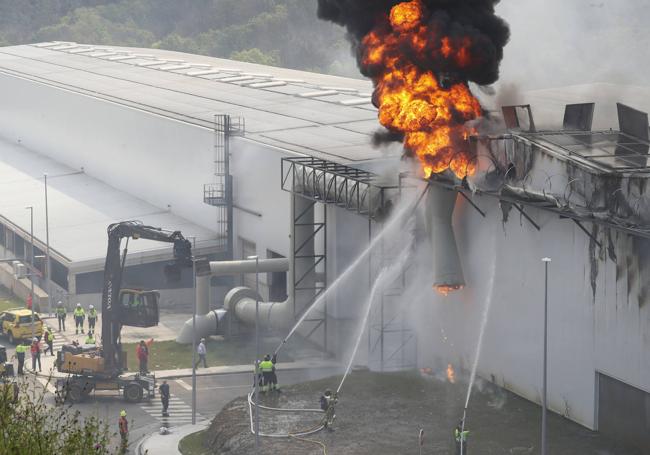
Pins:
<point x="80" y="210"/>
<point x="294" y="110"/>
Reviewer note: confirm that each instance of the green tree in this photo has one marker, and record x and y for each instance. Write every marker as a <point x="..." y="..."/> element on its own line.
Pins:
<point x="29" y="426"/>
<point x="86" y="25"/>
<point x="276" y="32"/>
<point x="255" y="55"/>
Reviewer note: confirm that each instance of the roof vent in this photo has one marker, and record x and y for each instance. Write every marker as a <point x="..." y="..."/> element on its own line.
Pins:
<point x="516" y="119"/>
<point x="578" y="116"/>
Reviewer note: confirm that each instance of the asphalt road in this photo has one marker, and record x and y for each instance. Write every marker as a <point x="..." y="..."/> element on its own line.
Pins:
<point x="213" y="392"/>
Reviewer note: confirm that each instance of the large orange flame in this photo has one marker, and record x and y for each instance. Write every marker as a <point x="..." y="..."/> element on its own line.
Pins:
<point x="451" y="374"/>
<point x="411" y="99"/>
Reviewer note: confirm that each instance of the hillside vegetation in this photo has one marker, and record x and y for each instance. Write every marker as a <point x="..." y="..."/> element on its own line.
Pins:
<point x="271" y="32"/>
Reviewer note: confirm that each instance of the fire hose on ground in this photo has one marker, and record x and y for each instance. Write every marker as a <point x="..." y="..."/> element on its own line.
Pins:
<point x="297" y="435"/>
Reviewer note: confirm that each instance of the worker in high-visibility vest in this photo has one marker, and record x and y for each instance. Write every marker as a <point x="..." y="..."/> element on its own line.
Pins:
<point x="48" y="336"/>
<point x="21" y="349"/>
<point x="92" y="318"/>
<point x="460" y="436"/>
<point x="79" y="316"/>
<point x="267" y="368"/>
<point x="61" y="315"/>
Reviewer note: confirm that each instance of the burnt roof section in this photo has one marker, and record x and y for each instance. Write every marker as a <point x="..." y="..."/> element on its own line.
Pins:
<point x="609" y="151"/>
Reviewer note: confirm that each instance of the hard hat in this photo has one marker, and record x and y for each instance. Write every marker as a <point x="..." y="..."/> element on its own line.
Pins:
<point x="59" y="303"/>
<point x="122" y="413"/>
<point x="91" y="307"/>
<point x="78" y="304"/>
<point x="35" y="339"/>
<point x="202" y="339"/>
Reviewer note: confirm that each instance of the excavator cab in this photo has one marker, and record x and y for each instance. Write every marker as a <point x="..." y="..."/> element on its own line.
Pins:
<point x="138" y="308"/>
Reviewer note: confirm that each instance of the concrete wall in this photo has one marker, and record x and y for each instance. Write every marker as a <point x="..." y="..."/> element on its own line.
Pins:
<point x="255" y="170"/>
<point x="162" y="161"/>
<point x="606" y="330"/>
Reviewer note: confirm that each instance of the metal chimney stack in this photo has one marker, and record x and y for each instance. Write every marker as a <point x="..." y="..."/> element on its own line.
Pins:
<point x="447" y="270"/>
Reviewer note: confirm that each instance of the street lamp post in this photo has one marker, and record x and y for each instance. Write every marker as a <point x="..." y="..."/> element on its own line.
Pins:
<point x="546" y="261"/>
<point x="257" y="350"/>
<point x="194" y="344"/>
<point x="31" y="261"/>
<point x="47" y="252"/>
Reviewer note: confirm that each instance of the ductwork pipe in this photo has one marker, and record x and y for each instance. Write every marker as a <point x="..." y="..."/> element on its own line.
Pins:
<point x="218" y="268"/>
<point x="241" y="302"/>
<point x="447" y="270"/>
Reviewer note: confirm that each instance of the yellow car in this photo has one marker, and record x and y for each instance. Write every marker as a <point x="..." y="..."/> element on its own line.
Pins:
<point x="16" y="324"/>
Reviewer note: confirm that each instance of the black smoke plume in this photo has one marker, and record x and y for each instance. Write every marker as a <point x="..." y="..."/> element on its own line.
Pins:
<point x="457" y="19"/>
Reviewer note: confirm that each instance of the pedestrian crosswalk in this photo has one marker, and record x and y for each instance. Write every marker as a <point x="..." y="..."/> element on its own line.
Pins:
<point x="59" y="339"/>
<point x="179" y="412"/>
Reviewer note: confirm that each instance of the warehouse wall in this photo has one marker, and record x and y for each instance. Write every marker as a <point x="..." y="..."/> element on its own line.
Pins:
<point x="606" y="331"/>
<point x="162" y="161"/>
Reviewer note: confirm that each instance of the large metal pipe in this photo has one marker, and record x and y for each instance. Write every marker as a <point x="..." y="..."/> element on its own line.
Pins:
<point x="218" y="268"/>
<point x="447" y="270"/>
<point x="240" y="302"/>
<point x="301" y="276"/>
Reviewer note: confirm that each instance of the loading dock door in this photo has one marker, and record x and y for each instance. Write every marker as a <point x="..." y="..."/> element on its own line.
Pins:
<point x="624" y="412"/>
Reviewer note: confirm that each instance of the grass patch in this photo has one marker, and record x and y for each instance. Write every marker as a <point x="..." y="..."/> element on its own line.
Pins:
<point x="192" y="444"/>
<point x="169" y="355"/>
<point x="8" y="302"/>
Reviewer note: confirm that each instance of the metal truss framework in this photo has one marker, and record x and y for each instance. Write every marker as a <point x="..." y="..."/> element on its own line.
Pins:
<point x="308" y="285"/>
<point x="332" y="183"/>
<point x="359" y="191"/>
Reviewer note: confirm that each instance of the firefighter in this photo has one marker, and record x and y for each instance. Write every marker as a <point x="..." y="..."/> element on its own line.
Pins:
<point x="48" y="336"/>
<point x="460" y="436"/>
<point x="61" y="315"/>
<point x="79" y="316"/>
<point x="92" y="319"/>
<point x="269" y="380"/>
<point x="328" y="401"/>
<point x="123" y="425"/>
<point x="274" y="376"/>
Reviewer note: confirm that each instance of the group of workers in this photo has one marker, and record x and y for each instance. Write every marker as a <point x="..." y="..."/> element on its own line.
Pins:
<point x="79" y="315"/>
<point x="36" y="350"/>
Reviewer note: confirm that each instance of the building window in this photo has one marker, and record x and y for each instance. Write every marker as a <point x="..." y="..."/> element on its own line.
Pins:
<point x="59" y="274"/>
<point x="10" y="240"/>
<point x="277" y="281"/>
<point x="3" y="235"/>
<point x="19" y="246"/>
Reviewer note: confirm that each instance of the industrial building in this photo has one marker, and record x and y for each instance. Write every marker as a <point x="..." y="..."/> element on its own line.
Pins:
<point x="276" y="163"/>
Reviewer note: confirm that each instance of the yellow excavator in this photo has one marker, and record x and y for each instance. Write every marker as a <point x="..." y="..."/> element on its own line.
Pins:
<point x="102" y="367"/>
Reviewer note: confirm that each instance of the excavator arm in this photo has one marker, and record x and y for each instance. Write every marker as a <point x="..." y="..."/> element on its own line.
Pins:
<point x="114" y="312"/>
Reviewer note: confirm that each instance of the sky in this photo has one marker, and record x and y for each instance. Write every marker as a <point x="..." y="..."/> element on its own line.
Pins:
<point x="566" y="42"/>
